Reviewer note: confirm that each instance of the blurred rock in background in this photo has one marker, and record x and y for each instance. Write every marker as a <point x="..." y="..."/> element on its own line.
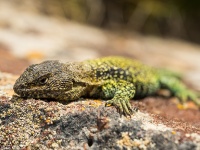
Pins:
<point x="172" y="18"/>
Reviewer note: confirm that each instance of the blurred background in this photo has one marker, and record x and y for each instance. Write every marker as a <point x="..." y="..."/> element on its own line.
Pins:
<point x="172" y="18"/>
<point x="157" y="32"/>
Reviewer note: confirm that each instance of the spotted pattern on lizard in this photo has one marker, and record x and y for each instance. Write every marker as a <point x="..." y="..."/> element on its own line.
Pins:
<point x="114" y="79"/>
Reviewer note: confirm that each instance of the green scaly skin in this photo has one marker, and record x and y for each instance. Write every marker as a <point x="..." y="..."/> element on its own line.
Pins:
<point x="115" y="79"/>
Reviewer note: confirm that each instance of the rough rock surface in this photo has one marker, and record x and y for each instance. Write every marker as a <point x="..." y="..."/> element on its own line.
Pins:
<point x="83" y="124"/>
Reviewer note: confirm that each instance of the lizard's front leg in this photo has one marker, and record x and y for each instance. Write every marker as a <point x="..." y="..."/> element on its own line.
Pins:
<point x="121" y="92"/>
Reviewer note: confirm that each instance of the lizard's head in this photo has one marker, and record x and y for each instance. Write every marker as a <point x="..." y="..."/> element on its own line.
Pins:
<point x="48" y="79"/>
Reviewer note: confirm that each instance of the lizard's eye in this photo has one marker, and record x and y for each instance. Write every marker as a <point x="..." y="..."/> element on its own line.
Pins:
<point x="43" y="80"/>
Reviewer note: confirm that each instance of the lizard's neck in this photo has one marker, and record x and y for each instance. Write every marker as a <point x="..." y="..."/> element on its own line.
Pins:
<point x="81" y="72"/>
<point x="83" y="78"/>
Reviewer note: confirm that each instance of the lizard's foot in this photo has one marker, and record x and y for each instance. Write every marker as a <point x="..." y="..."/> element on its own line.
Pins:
<point x="122" y="105"/>
<point x="188" y="95"/>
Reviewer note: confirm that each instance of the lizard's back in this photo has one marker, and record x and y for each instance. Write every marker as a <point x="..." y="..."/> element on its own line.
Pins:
<point x="143" y="77"/>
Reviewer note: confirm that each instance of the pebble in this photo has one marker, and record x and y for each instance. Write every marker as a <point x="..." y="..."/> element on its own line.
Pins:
<point x="54" y="145"/>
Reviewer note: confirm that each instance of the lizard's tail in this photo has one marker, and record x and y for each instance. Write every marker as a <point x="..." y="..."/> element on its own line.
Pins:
<point x="170" y="73"/>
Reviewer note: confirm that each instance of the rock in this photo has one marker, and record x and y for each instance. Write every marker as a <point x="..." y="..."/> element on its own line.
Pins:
<point x="84" y="123"/>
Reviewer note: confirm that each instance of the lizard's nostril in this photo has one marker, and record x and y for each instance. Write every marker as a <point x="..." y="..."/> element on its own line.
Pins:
<point x="17" y="87"/>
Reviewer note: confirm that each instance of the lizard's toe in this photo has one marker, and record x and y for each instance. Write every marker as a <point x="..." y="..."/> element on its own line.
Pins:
<point x="126" y="108"/>
<point x="182" y="97"/>
<point x="122" y="106"/>
<point x="188" y="95"/>
<point x="115" y="103"/>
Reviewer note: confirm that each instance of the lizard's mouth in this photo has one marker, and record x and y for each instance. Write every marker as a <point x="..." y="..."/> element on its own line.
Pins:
<point x="28" y="93"/>
<point x="36" y="93"/>
<point x="24" y="91"/>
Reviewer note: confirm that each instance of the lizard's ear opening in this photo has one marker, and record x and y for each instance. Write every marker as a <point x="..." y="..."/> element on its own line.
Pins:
<point x="79" y="83"/>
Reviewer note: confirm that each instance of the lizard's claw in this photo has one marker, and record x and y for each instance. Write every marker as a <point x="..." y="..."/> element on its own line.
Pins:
<point x="123" y="106"/>
<point x="188" y="95"/>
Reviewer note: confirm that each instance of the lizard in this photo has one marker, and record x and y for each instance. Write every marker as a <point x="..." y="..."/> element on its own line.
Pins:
<point x="114" y="79"/>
